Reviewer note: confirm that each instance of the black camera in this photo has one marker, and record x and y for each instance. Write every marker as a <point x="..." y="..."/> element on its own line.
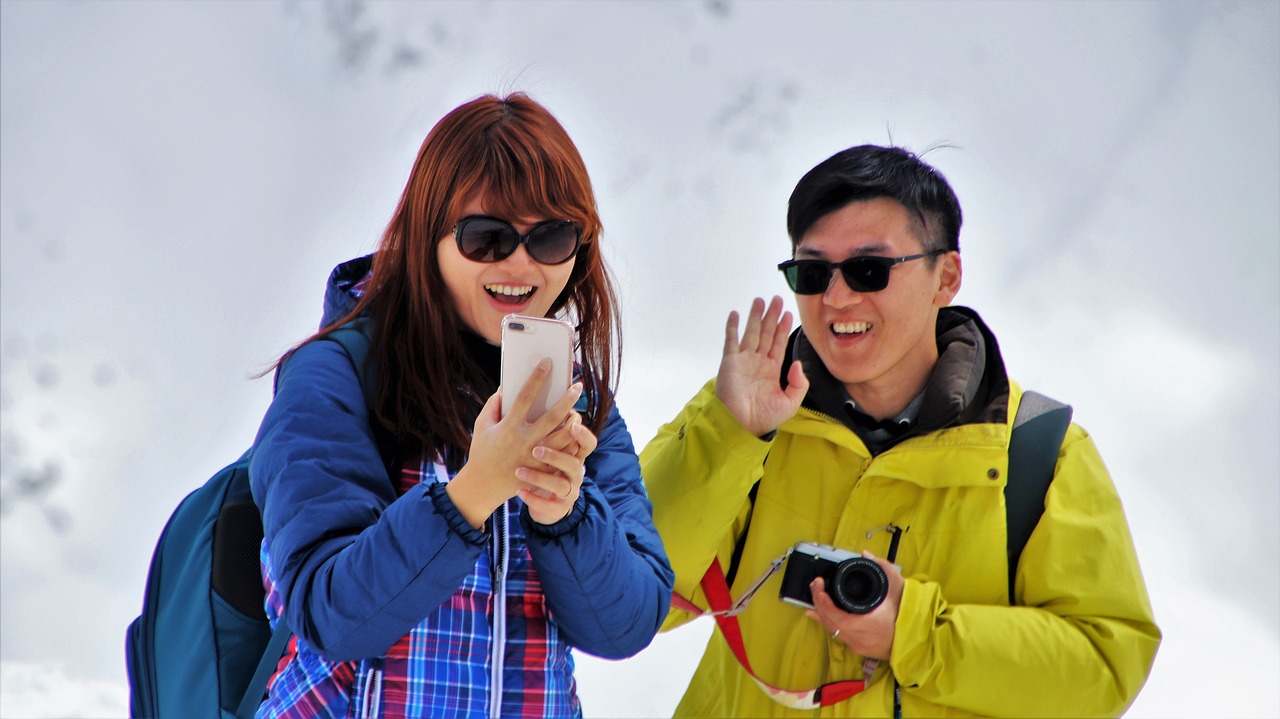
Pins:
<point x="856" y="584"/>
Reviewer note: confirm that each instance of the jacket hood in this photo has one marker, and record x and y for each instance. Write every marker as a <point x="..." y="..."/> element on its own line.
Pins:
<point x="342" y="289"/>
<point x="969" y="383"/>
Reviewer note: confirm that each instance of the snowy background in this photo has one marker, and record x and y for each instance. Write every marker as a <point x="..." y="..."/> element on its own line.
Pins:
<point x="179" y="177"/>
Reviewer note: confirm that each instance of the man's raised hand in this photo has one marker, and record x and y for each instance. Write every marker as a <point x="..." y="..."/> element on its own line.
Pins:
<point x="748" y="382"/>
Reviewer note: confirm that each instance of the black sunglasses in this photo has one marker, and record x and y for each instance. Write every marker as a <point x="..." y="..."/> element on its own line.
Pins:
<point x="488" y="239"/>
<point x="862" y="274"/>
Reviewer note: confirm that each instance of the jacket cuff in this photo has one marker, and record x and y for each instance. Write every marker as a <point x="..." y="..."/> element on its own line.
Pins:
<point x="920" y="605"/>
<point x="444" y="507"/>
<point x="561" y="528"/>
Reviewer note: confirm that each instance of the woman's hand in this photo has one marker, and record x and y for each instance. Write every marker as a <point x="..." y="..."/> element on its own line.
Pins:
<point x="553" y="485"/>
<point x="748" y="379"/>
<point x="501" y="445"/>
<point x="562" y="439"/>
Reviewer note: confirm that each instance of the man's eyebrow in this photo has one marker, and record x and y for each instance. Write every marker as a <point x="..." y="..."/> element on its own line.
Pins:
<point x="877" y="249"/>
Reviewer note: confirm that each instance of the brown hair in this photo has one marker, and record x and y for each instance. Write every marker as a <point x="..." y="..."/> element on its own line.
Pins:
<point x="515" y="154"/>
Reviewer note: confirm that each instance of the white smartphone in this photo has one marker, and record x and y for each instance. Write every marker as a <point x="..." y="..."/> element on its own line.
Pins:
<point x="526" y="341"/>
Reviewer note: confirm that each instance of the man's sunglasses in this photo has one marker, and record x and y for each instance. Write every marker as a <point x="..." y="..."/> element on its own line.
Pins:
<point x="488" y="239"/>
<point x="862" y="274"/>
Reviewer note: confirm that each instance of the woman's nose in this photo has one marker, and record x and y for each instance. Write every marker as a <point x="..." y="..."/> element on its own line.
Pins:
<point x="521" y="257"/>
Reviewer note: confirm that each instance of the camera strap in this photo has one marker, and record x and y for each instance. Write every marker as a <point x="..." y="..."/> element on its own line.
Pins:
<point x="725" y="611"/>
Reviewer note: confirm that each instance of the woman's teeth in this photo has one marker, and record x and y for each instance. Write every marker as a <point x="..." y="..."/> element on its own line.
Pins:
<point x="513" y="294"/>
<point x="850" y="328"/>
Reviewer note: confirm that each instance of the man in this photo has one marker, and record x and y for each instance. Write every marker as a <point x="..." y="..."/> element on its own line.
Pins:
<point x="881" y="427"/>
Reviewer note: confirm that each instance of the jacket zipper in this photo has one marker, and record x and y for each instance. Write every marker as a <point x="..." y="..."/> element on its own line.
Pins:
<point x="371" y="699"/>
<point x="500" y="557"/>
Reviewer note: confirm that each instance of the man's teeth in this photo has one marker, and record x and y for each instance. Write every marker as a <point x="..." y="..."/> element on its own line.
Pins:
<point x="513" y="290"/>
<point x="850" y="328"/>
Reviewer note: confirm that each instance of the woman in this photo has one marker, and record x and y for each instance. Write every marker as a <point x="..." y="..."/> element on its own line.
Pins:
<point x="432" y="557"/>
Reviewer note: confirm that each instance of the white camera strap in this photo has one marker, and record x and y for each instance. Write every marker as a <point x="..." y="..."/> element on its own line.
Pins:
<point x="740" y="605"/>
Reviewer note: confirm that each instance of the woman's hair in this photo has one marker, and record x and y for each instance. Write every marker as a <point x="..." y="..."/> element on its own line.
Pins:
<point x="515" y="155"/>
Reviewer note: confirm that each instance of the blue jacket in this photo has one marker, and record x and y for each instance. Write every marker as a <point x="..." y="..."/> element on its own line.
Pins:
<point x="359" y="565"/>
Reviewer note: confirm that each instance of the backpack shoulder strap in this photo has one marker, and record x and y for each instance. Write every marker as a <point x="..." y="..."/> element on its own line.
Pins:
<point x="1038" y="430"/>
<point x="257" y="688"/>
<point x="354" y="338"/>
<point x="741" y="542"/>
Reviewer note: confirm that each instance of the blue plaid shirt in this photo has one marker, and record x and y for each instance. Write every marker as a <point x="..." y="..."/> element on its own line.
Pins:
<point x="456" y="660"/>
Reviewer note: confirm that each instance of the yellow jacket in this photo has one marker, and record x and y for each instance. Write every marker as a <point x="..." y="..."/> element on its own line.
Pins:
<point x="1081" y="643"/>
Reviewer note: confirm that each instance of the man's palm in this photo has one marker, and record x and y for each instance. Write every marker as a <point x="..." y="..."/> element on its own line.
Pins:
<point x="748" y="382"/>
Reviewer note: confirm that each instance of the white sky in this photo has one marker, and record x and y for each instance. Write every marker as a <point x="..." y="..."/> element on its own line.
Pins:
<point x="177" y="179"/>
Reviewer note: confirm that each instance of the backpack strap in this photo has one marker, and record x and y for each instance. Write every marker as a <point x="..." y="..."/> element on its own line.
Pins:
<point x="257" y="688"/>
<point x="1038" y="430"/>
<point x="354" y="338"/>
<point x="736" y="558"/>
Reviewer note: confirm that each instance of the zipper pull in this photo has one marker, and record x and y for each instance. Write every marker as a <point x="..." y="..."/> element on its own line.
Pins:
<point x="896" y="531"/>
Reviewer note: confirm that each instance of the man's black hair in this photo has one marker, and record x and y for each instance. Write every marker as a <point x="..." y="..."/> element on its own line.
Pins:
<point x="870" y="171"/>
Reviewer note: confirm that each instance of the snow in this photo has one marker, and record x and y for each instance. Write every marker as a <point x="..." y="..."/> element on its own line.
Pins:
<point x="177" y="179"/>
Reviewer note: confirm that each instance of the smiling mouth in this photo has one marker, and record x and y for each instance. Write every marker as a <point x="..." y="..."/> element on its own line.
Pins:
<point x="511" y="294"/>
<point x="846" y="329"/>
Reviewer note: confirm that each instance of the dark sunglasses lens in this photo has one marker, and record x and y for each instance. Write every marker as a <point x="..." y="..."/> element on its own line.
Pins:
<point x="486" y="240"/>
<point x="809" y="278"/>
<point x="552" y="243"/>
<point x="865" y="274"/>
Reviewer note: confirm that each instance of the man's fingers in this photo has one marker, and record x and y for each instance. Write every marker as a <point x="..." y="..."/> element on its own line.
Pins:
<point x="764" y="324"/>
<point x="731" y="333"/>
<point x="751" y="335"/>
<point x="769" y="325"/>
<point x="797" y="383"/>
<point x="780" y="336"/>
<point x="821" y="602"/>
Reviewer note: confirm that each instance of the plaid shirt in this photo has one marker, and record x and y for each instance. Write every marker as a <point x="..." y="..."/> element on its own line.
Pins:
<point x="457" y="661"/>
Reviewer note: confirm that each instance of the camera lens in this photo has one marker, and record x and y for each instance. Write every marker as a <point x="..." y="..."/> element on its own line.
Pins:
<point x="858" y="585"/>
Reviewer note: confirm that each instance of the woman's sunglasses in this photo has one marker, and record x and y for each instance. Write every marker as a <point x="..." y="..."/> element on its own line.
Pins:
<point x="862" y="274"/>
<point x="488" y="239"/>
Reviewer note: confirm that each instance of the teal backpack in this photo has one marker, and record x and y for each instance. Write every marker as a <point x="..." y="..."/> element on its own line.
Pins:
<point x="202" y="647"/>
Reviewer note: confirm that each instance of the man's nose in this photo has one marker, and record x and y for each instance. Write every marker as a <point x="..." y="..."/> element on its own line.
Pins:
<point x="839" y="295"/>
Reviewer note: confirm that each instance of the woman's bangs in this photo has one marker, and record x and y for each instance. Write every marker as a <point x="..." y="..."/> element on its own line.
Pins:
<point x="538" y="187"/>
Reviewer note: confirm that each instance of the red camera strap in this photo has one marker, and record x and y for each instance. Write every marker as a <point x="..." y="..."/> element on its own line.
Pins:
<point x="725" y="611"/>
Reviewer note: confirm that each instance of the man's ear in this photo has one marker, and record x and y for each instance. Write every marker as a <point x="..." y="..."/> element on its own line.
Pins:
<point x="949" y="275"/>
